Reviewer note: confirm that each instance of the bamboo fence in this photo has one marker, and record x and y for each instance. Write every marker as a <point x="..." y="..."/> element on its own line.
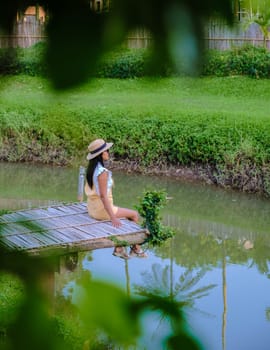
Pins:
<point x="218" y="35"/>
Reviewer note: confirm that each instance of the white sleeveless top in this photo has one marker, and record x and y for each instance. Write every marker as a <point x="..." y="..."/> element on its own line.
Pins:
<point x="99" y="170"/>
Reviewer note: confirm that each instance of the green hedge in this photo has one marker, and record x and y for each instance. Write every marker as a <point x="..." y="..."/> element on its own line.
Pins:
<point x="124" y="64"/>
<point x="31" y="60"/>
<point x="9" y="63"/>
<point x="184" y="139"/>
<point x="250" y="61"/>
<point x="28" y="61"/>
<point x="130" y="63"/>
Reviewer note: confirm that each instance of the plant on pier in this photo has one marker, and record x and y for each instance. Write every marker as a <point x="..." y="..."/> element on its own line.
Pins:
<point x="149" y="209"/>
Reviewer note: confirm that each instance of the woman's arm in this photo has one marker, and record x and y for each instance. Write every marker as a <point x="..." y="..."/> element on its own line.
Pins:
<point x="102" y="182"/>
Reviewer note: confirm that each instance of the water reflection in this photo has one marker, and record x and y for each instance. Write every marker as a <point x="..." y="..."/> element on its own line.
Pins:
<point x="221" y="235"/>
<point x="223" y="282"/>
<point x="161" y="281"/>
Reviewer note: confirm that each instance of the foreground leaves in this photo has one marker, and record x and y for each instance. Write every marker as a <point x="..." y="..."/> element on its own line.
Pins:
<point x="103" y="310"/>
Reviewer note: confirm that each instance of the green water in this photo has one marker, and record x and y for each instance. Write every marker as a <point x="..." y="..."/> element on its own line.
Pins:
<point x="222" y="240"/>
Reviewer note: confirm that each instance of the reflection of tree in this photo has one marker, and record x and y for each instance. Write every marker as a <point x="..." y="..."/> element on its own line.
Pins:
<point x="224" y="290"/>
<point x="159" y="282"/>
<point x="260" y="256"/>
<point x="204" y="250"/>
<point x="127" y="278"/>
<point x="192" y="251"/>
<point x="267" y="313"/>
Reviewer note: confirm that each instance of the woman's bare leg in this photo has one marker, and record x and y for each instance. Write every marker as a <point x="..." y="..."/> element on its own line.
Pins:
<point x="128" y="214"/>
<point x="133" y="216"/>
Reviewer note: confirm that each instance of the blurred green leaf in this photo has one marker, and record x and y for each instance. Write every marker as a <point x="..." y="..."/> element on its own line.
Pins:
<point x="106" y="307"/>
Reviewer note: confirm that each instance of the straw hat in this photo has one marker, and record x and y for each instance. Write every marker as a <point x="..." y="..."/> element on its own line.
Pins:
<point x="97" y="147"/>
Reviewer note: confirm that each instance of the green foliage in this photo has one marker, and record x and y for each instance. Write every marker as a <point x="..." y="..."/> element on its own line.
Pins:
<point x="70" y="330"/>
<point x="248" y="60"/>
<point x="12" y="293"/>
<point x="31" y="60"/>
<point x="8" y="61"/>
<point x="216" y="63"/>
<point x="120" y="63"/>
<point x="126" y="63"/>
<point x="121" y="319"/>
<point x="123" y="64"/>
<point x="4" y="211"/>
<point x="240" y="172"/>
<point x="20" y="142"/>
<point x="258" y="12"/>
<point x="149" y="208"/>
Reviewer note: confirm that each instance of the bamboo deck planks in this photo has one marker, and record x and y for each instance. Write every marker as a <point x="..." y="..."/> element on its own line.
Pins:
<point x="63" y="229"/>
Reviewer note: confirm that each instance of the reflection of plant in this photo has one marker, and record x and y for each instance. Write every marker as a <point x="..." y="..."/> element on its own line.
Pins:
<point x="159" y="283"/>
<point x="149" y="209"/>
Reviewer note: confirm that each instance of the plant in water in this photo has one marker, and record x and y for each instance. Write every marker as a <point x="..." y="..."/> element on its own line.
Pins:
<point x="149" y="208"/>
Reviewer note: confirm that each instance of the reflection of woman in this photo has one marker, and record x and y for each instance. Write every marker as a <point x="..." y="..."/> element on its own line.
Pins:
<point x="98" y="189"/>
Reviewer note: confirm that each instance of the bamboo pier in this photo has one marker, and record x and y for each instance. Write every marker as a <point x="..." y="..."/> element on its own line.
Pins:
<point x="63" y="229"/>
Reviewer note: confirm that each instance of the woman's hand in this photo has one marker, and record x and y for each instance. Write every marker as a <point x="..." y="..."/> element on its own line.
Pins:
<point x="116" y="222"/>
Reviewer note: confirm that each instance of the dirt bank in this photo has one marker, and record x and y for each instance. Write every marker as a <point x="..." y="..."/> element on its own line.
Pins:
<point x="246" y="178"/>
<point x="193" y="173"/>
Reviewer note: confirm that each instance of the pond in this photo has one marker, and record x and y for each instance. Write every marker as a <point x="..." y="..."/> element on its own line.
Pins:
<point x="218" y="262"/>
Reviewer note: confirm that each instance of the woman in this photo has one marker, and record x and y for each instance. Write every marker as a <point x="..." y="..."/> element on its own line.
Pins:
<point x="98" y="189"/>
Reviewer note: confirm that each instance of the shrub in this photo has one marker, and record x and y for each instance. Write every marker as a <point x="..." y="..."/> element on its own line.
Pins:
<point x="9" y="63"/>
<point x="27" y="61"/>
<point x="123" y="64"/>
<point x="131" y="63"/>
<point x="31" y="60"/>
<point x="248" y="60"/>
<point x="216" y="63"/>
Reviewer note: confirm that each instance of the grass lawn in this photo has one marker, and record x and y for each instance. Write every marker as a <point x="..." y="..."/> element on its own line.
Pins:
<point x="232" y="97"/>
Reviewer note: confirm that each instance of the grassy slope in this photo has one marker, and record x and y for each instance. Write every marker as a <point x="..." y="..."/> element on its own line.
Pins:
<point x="204" y="107"/>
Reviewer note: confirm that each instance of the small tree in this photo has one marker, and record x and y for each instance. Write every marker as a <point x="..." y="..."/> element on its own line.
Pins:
<point x="258" y="11"/>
